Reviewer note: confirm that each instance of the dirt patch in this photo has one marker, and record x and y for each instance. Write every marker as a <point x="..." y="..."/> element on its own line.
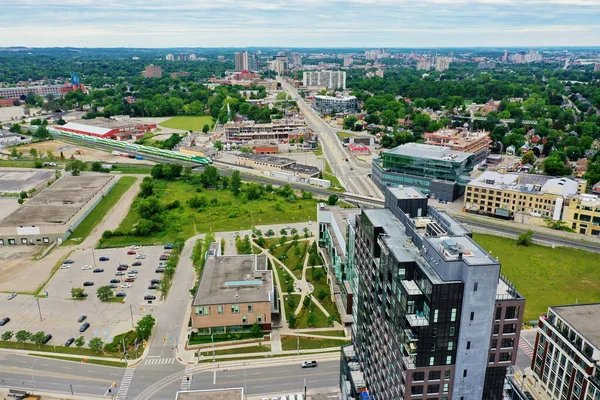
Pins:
<point x="87" y="154"/>
<point x="12" y="261"/>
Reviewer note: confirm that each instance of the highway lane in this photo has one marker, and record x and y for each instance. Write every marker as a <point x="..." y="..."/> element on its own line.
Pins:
<point x="56" y="375"/>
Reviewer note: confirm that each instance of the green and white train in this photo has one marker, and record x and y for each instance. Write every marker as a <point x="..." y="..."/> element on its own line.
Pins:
<point x="135" y="148"/>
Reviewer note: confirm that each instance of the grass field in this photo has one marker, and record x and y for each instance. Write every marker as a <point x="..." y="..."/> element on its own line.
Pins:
<point x="310" y="343"/>
<point x="104" y="206"/>
<point x="546" y="276"/>
<point x="320" y="320"/>
<point x="224" y="212"/>
<point x="326" y="302"/>
<point x="239" y="350"/>
<point x="294" y="262"/>
<point x="289" y="310"/>
<point x="340" y="334"/>
<point x="186" y="123"/>
<point x="106" y="363"/>
<point x="343" y="135"/>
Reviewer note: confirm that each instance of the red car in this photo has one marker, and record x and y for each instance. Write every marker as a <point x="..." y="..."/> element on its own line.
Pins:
<point x="163" y="257"/>
<point x="129" y="280"/>
<point x="131" y="253"/>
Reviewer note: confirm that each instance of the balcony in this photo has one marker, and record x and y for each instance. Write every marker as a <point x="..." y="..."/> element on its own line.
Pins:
<point x="417" y="319"/>
<point x="409" y="362"/>
<point x="410" y="336"/>
<point x="411" y="288"/>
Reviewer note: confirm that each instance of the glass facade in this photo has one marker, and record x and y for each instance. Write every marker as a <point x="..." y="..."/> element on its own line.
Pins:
<point x="450" y="170"/>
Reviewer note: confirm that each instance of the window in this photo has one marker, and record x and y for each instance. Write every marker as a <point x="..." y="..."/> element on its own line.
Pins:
<point x="434" y="375"/>
<point x="447" y="374"/>
<point x="510" y="328"/>
<point x="496" y="329"/>
<point x="202" y="311"/>
<point x="450" y="345"/>
<point x="244" y="319"/>
<point x="432" y="389"/>
<point x="258" y="318"/>
<point x="512" y="312"/>
<point x="504" y="357"/>
<point x="416" y="390"/>
<point x="464" y="373"/>
<point x="435" y="315"/>
<point x="431" y="360"/>
<point x="46" y="240"/>
<point x="448" y="360"/>
<point x="235" y="308"/>
<point x="498" y="313"/>
<point x="23" y="240"/>
<point x="249" y="308"/>
<point x="220" y="310"/>
<point x="453" y="315"/>
<point x="494" y="343"/>
<point x="468" y="345"/>
<point x="475" y="286"/>
<point x="418" y="376"/>
<point x="472" y="315"/>
<point x="451" y="333"/>
<point x="446" y="388"/>
<point x="492" y="358"/>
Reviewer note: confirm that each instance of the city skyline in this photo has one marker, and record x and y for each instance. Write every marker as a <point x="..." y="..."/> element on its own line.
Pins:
<point x="330" y="23"/>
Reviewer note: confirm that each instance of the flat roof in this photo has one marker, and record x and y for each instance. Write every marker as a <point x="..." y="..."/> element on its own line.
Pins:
<point x="58" y="203"/>
<point x="583" y="318"/>
<point x="211" y="394"/>
<point x="527" y="183"/>
<point x="85" y="128"/>
<point x="267" y="159"/>
<point x="419" y="150"/>
<point x="406" y="192"/>
<point x="472" y="253"/>
<point x="235" y="279"/>
<point x="16" y="180"/>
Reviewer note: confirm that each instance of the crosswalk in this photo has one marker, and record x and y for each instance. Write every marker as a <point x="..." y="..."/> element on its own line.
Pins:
<point x="124" y="387"/>
<point x="525" y="347"/>
<point x="156" y="361"/>
<point x="186" y="379"/>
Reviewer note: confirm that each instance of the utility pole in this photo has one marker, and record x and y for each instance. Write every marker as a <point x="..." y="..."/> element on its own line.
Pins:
<point x="212" y="338"/>
<point x="71" y="390"/>
<point x="131" y="312"/>
<point x="304" y="388"/>
<point x="124" y="350"/>
<point x="94" y="257"/>
<point x="39" y="309"/>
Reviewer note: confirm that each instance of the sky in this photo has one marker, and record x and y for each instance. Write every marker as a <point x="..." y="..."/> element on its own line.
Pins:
<point x="299" y="23"/>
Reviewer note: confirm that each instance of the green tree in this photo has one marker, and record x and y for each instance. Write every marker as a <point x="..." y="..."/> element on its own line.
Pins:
<point x="235" y="183"/>
<point x="256" y="330"/>
<point x="96" y="166"/>
<point x="37" y="163"/>
<point x="14" y="153"/>
<point x="38" y="337"/>
<point x="349" y="122"/>
<point x="317" y="274"/>
<point x="270" y="233"/>
<point x="311" y="320"/>
<point x="7" y="336"/>
<point x="205" y="128"/>
<point x="15" y="128"/>
<point x="77" y="292"/>
<point x="79" y="342"/>
<point x="555" y="165"/>
<point x="76" y="167"/>
<point x="96" y="344"/>
<point x="218" y="145"/>
<point x="525" y="238"/>
<point x="210" y="176"/>
<point x="322" y="294"/>
<point x="332" y="200"/>
<point x="22" y="336"/>
<point x="292" y="320"/>
<point x="528" y="158"/>
<point x="144" y="327"/>
<point x="33" y="152"/>
<point x="104" y="293"/>
<point x="146" y="187"/>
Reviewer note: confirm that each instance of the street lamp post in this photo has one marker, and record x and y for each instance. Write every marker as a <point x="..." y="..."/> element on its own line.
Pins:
<point x="177" y="337"/>
<point x="39" y="309"/>
<point x="297" y="341"/>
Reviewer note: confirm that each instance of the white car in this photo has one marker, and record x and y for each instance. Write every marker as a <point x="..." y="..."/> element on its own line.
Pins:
<point x="86" y="267"/>
<point x="65" y="266"/>
<point x="134" y="247"/>
<point x="140" y="256"/>
<point x="126" y="285"/>
<point x="12" y="296"/>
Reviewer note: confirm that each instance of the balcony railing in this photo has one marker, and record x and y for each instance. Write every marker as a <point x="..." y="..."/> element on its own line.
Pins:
<point x="417" y="320"/>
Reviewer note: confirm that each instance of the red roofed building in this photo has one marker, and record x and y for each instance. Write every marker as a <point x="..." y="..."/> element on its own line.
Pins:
<point x="359" y="149"/>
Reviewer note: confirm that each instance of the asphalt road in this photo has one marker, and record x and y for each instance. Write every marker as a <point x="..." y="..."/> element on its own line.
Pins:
<point x="51" y="375"/>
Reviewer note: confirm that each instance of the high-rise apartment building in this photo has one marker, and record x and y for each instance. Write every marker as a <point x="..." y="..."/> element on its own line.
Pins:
<point x="442" y="63"/>
<point x="252" y="62"/>
<point x="152" y="71"/>
<point x="182" y="57"/>
<point x="348" y="61"/>
<point x="433" y="316"/>
<point x="170" y="57"/>
<point x="296" y="59"/>
<point x="330" y="79"/>
<point x="567" y="352"/>
<point x="597" y="67"/>
<point x="241" y="61"/>
<point x="423" y="64"/>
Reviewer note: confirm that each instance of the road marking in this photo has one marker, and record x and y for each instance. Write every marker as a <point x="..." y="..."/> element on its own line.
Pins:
<point x="44" y="365"/>
<point x="214" y="377"/>
<point x="187" y="378"/>
<point x="24" y="362"/>
<point x="525" y="347"/>
<point x="125" y="382"/>
<point x="156" y="361"/>
<point x="66" y="368"/>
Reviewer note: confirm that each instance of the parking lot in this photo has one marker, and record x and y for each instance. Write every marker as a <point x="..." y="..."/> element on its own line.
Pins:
<point x="59" y="311"/>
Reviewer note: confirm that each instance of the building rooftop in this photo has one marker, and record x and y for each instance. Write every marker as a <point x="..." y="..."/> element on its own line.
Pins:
<point x="527" y="183"/>
<point x="58" y="203"/>
<point x="451" y="246"/>
<point x="211" y="394"/>
<point x="406" y="192"/>
<point x="583" y="318"/>
<point x="430" y="152"/>
<point x="102" y="125"/>
<point x="16" y="180"/>
<point x="302" y="169"/>
<point x="235" y="279"/>
<point x="85" y="127"/>
<point x="344" y="98"/>
<point x="280" y="161"/>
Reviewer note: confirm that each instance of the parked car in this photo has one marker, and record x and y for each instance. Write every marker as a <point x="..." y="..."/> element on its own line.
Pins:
<point x="153" y="287"/>
<point x="69" y="341"/>
<point x="134" y="247"/>
<point x="113" y="286"/>
<point x="133" y="272"/>
<point x="47" y="338"/>
<point x="4" y="321"/>
<point x="98" y="270"/>
<point x="136" y="263"/>
<point x="140" y="256"/>
<point x="12" y="296"/>
<point x="163" y="257"/>
<point x="82" y="318"/>
<point x="65" y="266"/>
<point x="84" y="267"/>
<point x="130" y="280"/>
<point x="168" y="246"/>
<point x="131" y="253"/>
<point x="121" y="294"/>
<point x="88" y="283"/>
<point x="162" y="264"/>
<point x="84" y="327"/>
<point x="122" y="268"/>
<point x="149" y="297"/>
<point x="118" y="273"/>
<point x="103" y="258"/>
<point x="159" y="270"/>
<point x="123" y="265"/>
<point x="126" y="285"/>
<point x="155" y="281"/>
<point x="68" y="261"/>
<point x="309" y="364"/>
<point x="115" y="281"/>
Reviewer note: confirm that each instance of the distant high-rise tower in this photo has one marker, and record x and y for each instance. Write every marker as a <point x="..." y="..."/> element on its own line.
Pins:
<point x="241" y="61"/>
<point x="152" y="71"/>
<point x="442" y="63"/>
<point x="252" y="62"/>
<point x="170" y="57"/>
<point x="348" y="61"/>
<point x="505" y="56"/>
<point x="597" y="67"/>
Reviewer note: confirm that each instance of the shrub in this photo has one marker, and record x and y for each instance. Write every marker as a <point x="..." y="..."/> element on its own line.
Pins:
<point x="525" y="238"/>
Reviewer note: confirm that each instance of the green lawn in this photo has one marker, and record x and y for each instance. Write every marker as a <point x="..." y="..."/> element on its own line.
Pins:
<point x="238" y="350"/>
<point x="322" y="285"/>
<point x="325" y="333"/>
<point x="311" y="343"/>
<point x="186" y="123"/>
<point x="328" y="175"/>
<point x="224" y="212"/>
<point x="49" y="348"/>
<point x="288" y="309"/>
<point x="293" y="261"/>
<point x="343" y="135"/>
<point x="107" y="363"/>
<point x="285" y="279"/>
<point x="320" y="320"/>
<point x="103" y="207"/>
<point x="546" y="276"/>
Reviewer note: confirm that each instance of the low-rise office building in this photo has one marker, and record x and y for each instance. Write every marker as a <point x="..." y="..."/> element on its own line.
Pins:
<point x="435" y="170"/>
<point x="567" y="352"/>
<point x="330" y="104"/>
<point x="582" y="214"/>
<point x="463" y="140"/>
<point x="108" y="128"/>
<point x="279" y="129"/>
<point x="234" y="293"/>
